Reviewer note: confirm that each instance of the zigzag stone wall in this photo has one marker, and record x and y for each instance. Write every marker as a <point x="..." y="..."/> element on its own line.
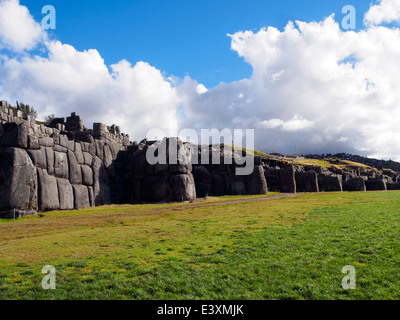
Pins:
<point x="49" y="168"/>
<point x="64" y="166"/>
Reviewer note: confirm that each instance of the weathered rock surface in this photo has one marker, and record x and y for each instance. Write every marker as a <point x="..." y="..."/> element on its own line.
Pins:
<point x="66" y="194"/>
<point x="306" y="181"/>
<point x="101" y="185"/>
<point x="48" y="191"/>
<point x="18" y="181"/>
<point x="256" y="182"/>
<point x="287" y="179"/>
<point x="81" y="197"/>
<point x="354" y="184"/>
<point x="375" y="185"/>
<point x="75" y="171"/>
<point x="330" y="183"/>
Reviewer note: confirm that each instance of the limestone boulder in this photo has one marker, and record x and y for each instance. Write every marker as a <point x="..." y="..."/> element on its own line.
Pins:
<point x="306" y="181"/>
<point x="202" y="180"/>
<point x="272" y="176"/>
<point x="155" y="189"/>
<point x="182" y="187"/>
<point x="61" y="169"/>
<point x="87" y="175"/>
<point x="48" y="191"/>
<point x="18" y="180"/>
<point x="75" y="171"/>
<point x="256" y="183"/>
<point x="375" y="185"/>
<point x="38" y="157"/>
<point x="50" y="160"/>
<point x="330" y="183"/>
<point x="101" y="183"/>
<point x="354" y="184"/>
<point x="235" y="185"/>
<point x="287" y="179"/>
<point x="66" y="194"/>
<point x="81" y="197"/>
<point x="17" y="137"/>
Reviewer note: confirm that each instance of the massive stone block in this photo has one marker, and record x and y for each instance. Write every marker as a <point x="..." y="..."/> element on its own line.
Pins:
<point x="202" y="180"/>
<point x="182" y="188"/>
<point x="46" y="142"/>
<point x="375" y="185"/>
<point x="108" y="158"/>
<point x="61" y="165"/>
<point x="18" y="181"/>
<point x="79" y="154"/>
<point x="16" y="137"/>
<point x="354" y="184"/>
<point x="50" y="160"/>
<point x="235" y="185"/>
<point x="101" y="183"/>
<point x="33" y="143"/>
<point x="155" y="189"/>
<point x="256" y="182"/>
<point x="88" y="158"/>
<point x="48" y="191"/>
<point x="393" y="186"/>
<point x="75" y="171"/>
<point x="91" y="196"/>
<point x="66" y="194"/>
<point x="140" y="166"/>
<point x="81" y="197"/>
<point x="306" y="181"/>
<point x="272" y="176"/>
<point x="217" y="185"/>
<point x="39" y="157"/>
<point x="87" y="175"/>
<point x="287" y="179"/>
<point x="330" y="183"/>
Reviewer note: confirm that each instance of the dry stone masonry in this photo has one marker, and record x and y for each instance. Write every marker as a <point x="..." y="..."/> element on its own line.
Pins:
<point x="65" y="166"/>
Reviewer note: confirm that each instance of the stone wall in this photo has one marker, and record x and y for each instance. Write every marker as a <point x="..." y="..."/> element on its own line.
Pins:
<point x="169" y="182"/>
<point x="49" y="168"/>
<point x="65" y="166"/>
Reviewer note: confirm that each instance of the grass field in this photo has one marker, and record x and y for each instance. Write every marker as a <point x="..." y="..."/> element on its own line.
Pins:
<point x="290" y="248"/>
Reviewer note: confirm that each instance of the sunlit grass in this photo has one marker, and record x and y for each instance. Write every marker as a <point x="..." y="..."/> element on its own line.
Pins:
<point x="291" y="248"/>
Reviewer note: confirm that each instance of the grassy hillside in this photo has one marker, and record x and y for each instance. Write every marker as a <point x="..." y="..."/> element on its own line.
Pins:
<point x="291" y="248"/>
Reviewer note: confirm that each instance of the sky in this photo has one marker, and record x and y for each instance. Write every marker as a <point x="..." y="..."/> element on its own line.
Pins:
<point x="287" y="69"/>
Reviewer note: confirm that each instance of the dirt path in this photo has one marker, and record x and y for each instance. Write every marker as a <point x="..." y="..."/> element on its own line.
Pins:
<point x="224" y="203"/>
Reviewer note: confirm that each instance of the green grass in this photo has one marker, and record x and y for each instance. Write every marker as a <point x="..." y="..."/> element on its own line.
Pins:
<point x="292" y="248"/>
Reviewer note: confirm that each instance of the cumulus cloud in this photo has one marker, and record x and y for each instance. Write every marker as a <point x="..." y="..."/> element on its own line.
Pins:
<point x="135" y="97"/>
<point x="314" y="88"/>
<point x="18" y="30"/>
<point x="386" y="11"/>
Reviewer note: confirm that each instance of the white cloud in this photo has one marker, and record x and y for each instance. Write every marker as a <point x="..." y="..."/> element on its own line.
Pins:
<point x="386" y="11"/>
<point x="200" y="89"/>
<point x="18" y="30"/>
<point x="343" y="84"/>
<point x="135" y="97"/>
<point x="314" y="88"/>
<point x="297" y="123"/>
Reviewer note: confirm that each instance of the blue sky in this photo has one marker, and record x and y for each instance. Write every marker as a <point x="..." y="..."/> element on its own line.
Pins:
<point x="309" y="88"/>
<point x="179" y="37"/>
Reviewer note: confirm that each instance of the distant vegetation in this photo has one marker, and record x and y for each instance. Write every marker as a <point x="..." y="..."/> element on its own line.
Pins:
<point x="49" y="118"/>
<point x="26" y="110"/>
